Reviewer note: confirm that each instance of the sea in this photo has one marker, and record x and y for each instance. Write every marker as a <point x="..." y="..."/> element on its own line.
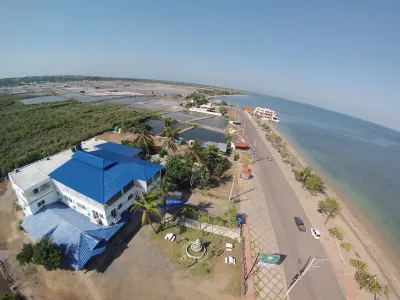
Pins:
<point x="358" y="159"/>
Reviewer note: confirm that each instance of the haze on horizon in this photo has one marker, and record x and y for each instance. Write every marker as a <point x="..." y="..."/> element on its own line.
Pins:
<point x="340" y="55"/>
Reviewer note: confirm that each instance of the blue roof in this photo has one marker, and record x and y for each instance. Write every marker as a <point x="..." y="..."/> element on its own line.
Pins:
<point x="78" y="238"/>
<point x="101" y="174"/>
<point x="120" y="149"/>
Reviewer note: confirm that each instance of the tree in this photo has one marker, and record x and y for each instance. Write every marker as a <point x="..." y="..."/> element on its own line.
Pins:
<point x="144" y="139"/>
<point x="7" y="296"/>
<point x="188" y="212"/>
<point x="315" y="184"/>
<point x="303" y="175"/>
<point x="169" y="143"/>
<point x="336" y="232"/>
<point x="359" y="264"/>
<point x="194" y="153"/>
<point x="168" y="122"/>
<point x="346" y="246"/>
<point x="178" y="170"/>
<point x="331" y="206"/>
<point x="163" y="190"/>
<point x="230" y="216"/>
<point x="148" y="204"/>
<point x="26" y="254"/>
<point x="224" y="103"/>
<point x="47" y="254"/>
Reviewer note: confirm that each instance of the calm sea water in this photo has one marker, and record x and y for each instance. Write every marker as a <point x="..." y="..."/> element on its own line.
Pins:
<point x="359" y="158"/>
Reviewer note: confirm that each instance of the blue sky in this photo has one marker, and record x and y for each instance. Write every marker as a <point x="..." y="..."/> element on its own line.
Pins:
<point x="341" y="55"/>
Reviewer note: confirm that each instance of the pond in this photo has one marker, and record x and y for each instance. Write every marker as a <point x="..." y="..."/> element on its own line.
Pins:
<point x="130" y="100"/>
<point x="43" y="99"/>
<point x="177" y="116"/>
<point x="214" y="122"/>
<point x="194" y="114"/>
<point x="87" y="98"/>
<point x="157" y="126"/>
<point x="204" y="135"/>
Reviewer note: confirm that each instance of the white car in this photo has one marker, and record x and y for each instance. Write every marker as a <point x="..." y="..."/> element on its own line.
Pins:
<point x="315" y="233"/>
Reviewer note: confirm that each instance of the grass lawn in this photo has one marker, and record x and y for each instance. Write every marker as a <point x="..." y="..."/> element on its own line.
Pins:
<point x="212" y="265"/>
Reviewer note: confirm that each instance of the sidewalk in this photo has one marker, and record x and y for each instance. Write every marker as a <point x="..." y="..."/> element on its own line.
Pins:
<point x="344" y="272"/>
<point x="269" y="284"/>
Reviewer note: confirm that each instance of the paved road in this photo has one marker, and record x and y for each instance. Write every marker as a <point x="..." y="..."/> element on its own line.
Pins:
<point x="283" y="205"/>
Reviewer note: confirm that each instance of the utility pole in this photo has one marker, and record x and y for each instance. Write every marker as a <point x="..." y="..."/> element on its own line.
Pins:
<point x="233" y="183"/>
<point x="313" y="264"/>
<point x="253" y="151"/>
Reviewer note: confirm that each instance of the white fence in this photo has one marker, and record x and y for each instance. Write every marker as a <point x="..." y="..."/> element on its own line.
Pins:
<point x="233" y="233"/>
<point x="204" y="111"/>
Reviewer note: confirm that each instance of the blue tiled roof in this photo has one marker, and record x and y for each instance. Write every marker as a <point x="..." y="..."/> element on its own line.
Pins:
<point x="101" y="174"/>
<point x="78" y="238"/>
<point x="118" y="148"/>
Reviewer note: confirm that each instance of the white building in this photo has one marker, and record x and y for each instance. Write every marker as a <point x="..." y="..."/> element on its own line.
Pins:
<point x="266" y="114"/>
<point x="99" y="181"/>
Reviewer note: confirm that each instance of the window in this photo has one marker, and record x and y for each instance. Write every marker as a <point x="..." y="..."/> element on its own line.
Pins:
<point x="113" y="213"/>
<point x="95" y="214"/>
<point x="70" y="200"/>
<point x="81" y="206"/>
<point x="58" y="193"/>
<point x="36" y="191"/>
<point x="128" y="186"/>
<point x="101" y="216"/>
<point x="40" y="203"/>
<point x="44" y="186"/>
<point x="119" y="206"/>
<point x="130" y="196"/>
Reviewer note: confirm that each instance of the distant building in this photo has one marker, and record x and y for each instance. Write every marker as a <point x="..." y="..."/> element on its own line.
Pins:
<point x="266" y="114"/>
<point x="249" y="110"/>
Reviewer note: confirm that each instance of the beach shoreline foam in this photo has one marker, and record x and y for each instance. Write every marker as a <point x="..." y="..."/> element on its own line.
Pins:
<point x="371" y="247"/>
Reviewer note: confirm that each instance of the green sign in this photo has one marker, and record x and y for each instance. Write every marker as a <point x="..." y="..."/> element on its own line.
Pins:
<point x="268" y="259"/>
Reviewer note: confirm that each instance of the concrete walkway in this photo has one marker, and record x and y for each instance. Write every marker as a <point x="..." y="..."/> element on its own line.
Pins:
<point x="269" y="283"/>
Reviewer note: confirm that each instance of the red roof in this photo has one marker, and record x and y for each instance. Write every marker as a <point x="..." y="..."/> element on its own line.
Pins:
<point x="249" y="109"/>
<point x="246" y="171"/>
<point x="241" y="144"/>
<point x="245" y="166"/>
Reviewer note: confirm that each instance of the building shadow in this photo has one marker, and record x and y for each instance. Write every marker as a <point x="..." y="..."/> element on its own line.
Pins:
<point x="116" y="246"/>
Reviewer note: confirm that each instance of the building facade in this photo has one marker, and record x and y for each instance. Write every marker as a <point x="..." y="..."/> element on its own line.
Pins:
<point x="100" y="181"/>
<point x="266" y="113"/>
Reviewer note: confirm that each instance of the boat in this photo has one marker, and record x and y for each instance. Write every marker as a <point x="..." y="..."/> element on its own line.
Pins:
<point x="266" y="114"/>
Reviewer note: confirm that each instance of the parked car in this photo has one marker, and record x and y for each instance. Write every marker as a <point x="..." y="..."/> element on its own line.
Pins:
<point x="315" y="233"/>
<point x="321" y="211"/>
<point x="269" y="158"/>
<point x="300" y="224"/>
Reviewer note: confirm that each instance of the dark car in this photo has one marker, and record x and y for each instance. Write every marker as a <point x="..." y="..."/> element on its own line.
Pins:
<point x="300" y="224"/>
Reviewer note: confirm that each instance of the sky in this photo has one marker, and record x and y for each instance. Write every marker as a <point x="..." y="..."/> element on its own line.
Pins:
<point x="340" y="55"/>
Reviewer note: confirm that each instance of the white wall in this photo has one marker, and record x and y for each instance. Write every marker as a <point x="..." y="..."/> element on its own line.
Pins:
<point x="48" y="198"/>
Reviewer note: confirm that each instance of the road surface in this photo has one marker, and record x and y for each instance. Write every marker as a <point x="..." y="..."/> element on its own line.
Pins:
<point x="283" y="205"/>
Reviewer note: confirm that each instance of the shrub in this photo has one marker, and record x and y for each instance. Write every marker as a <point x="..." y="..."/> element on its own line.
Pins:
<point x="26" y="254"/>
<point x="204" y="217"/>
<point x="346" y="246"/>
<point x="218" y="221"/>
<point x="18" y="207"/>
<point x="359" y="264"/>
<point x="162" y="153"/>
<point x="182" y="228"/>
<point x="236" y="156"/>
<point x="230" y="216"/>
<point x="336" y="232"/>
<point x="19" y="225"/>
<point x="7" y="296"/>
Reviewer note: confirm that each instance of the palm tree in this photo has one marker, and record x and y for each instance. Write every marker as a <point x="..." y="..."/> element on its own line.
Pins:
<point x="148" y="204"/>
<point x="144" y="138"/>
<point x="168" y="122"/>
<point x="163" y="190"/>
<point x="170" y="144"/>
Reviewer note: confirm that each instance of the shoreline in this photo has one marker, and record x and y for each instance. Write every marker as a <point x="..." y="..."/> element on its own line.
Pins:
<point x="379" y="254"/>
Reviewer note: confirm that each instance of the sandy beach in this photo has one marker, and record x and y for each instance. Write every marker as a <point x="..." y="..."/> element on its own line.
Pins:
<point x="368" y="245"/>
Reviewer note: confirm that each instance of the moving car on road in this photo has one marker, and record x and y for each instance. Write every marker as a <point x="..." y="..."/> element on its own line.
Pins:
<point x="269" y="158"/>
<point x="315" y="233"/>
<point x="300" y="224"/>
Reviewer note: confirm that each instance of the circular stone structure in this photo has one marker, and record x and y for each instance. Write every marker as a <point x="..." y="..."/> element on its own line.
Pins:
<point x="197" y="250"/>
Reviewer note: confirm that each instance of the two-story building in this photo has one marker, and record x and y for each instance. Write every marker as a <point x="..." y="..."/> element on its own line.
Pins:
<point x="94" y="183"/>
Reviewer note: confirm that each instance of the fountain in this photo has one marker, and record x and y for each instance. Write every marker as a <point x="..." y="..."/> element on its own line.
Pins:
<point x="195" y="250"/>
